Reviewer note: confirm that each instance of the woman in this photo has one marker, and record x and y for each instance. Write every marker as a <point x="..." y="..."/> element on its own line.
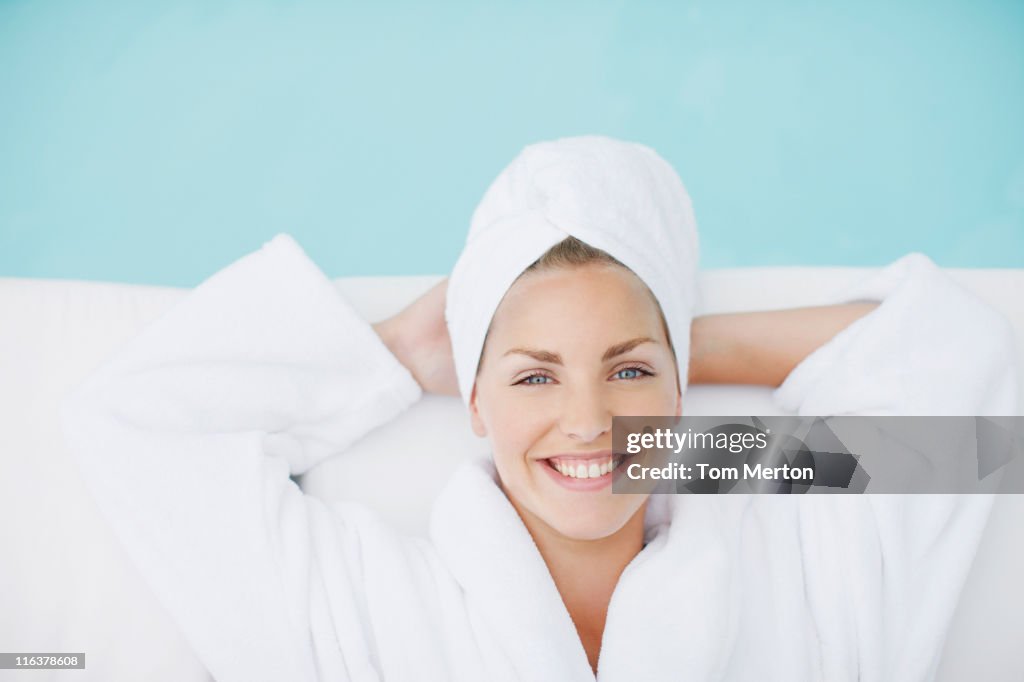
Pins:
<point x="570" y="304"/>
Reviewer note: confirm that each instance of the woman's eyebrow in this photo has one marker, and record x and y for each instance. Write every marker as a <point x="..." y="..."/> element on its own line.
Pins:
<point x="556" y="359"/>
<point x="625" y="347"/>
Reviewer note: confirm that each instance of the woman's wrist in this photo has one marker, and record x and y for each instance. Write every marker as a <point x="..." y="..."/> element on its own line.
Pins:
<point x="418" y="338"/>
<point x="714" y="350"/>
<point x="390" y="334"/>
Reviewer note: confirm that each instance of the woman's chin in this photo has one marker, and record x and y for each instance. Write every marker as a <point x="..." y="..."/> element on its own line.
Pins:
<point x="573" y="515"/>
<point x="586" y="524"/>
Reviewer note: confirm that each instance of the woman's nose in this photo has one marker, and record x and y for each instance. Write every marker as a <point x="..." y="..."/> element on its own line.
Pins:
<point x="585" y="416"/>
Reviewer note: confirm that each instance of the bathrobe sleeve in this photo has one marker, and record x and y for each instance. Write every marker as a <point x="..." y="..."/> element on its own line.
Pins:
<point x="884" y="571"/>
<point x="930" y="348"/>
<point x="188" y="436"/>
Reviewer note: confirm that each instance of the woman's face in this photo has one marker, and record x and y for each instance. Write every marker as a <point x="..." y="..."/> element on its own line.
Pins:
<point x="567" y="350"/>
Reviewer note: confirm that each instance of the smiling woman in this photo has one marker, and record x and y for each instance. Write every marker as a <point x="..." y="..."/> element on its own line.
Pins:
<point x="570" y="304"/>
<point x="569" y="348"/>
<point x="572" y="344"/>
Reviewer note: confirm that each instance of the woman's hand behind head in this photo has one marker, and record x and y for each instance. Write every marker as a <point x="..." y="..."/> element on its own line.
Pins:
<point x="418" y="337"/>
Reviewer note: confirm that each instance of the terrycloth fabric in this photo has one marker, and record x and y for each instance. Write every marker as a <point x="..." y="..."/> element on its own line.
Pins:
<point x="617" y="196"/>
<point x="188" y="435"/>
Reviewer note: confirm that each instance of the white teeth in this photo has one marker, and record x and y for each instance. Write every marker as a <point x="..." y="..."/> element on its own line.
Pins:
<point x="591" y="469"/>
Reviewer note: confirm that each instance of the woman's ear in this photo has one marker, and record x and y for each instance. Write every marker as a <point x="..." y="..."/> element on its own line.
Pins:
<point x="474" y="415"/>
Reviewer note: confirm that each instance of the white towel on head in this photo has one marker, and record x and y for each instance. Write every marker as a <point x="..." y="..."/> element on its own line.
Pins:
<point x="620" y="197"/>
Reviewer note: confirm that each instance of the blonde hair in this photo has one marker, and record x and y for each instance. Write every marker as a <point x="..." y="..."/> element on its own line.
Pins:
<point x="571" y="253"/>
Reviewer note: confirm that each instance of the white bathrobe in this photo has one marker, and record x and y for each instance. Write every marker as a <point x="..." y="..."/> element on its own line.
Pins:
<point x="188" y="435"/>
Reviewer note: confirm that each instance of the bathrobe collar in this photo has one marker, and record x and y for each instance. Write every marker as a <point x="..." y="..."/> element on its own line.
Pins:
<point x="507" y="585"/>
<point x="662" y="621"/>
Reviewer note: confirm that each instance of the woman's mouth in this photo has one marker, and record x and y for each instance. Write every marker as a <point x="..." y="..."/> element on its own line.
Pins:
<point x="572" y="467"/>
<point x="583" y="473"/>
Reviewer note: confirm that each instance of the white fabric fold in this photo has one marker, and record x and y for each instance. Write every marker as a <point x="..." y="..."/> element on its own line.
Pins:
<point x="965" y="345"/>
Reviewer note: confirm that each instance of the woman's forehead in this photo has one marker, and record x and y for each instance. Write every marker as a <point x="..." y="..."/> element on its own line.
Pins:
<point x="606" y="303"/>
<point x="594" y="281"/>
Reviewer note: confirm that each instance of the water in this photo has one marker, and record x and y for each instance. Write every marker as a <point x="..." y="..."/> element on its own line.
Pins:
<point x="156" y="142"/>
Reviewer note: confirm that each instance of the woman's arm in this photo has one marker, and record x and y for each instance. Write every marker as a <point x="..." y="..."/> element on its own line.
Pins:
<point x="763" y="347"/>
<point x="187" y="438"/>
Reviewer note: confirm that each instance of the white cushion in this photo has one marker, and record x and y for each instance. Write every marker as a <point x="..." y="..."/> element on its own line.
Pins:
<point x="69" y="586"/>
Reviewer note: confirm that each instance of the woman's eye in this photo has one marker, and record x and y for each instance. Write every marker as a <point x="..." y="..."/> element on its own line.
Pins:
<point x="632" y="373"/>
<point x="626" y="373"/>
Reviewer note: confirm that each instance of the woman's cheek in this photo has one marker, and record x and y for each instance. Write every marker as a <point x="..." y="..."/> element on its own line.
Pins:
<point x="660" y="399"/>
<point x="643" y="402"/>
<point x="520" y="427"/>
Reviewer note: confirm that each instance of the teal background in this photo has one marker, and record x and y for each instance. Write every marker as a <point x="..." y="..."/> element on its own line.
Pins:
<point x="155" y="142"/>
